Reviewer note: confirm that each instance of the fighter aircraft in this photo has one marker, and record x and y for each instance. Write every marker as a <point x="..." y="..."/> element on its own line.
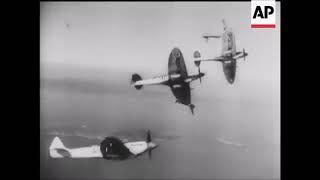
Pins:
<point x="111" y="148"/>
<point x="229" y="55"/>
<point x="177" y="79"/>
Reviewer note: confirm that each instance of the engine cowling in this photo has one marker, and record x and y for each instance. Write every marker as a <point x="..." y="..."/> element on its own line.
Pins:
<point x="135" y="78"/>
<point x="113" y="148"/>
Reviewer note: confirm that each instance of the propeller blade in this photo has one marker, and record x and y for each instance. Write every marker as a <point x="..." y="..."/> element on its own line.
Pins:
<point x="148" y="141"/>
<point x="149" y="137"/>
<point x="150" y="154"/>
<point x="244" y="54"/>
<point x="199" y="73"/>
<point x="191" y="108"/>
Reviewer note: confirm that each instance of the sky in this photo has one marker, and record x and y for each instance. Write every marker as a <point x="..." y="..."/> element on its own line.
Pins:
<point x="90" y="50"/>
<point x="133" y="37"/>
<point x="139" y="36"/>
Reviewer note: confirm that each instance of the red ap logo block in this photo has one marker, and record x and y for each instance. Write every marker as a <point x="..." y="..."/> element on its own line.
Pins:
<point x="263" y="14"/>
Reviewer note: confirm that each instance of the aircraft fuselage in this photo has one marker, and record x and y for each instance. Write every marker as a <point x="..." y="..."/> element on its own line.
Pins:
<point x="177" y="79"/>
<point x="111" y="148"/>
<point x="229" y="52"/>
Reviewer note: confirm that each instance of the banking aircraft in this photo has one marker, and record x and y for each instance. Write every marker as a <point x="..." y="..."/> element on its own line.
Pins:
<point x="177" y="79"/>
<point x="111" y="148"/>
<point x="229" y="55"/>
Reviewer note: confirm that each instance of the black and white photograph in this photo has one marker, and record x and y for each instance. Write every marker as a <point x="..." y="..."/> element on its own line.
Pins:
<point x="159" y="90"/>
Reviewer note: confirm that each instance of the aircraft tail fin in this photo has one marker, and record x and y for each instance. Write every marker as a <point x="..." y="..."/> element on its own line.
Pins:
<point x="197" y="61"/>
<point x="197" y="56"/>
<point x="136" y="77"/>
<point x="58" y="150"/>
<point x="57" y="144"/>
<point x="224" y="24"/>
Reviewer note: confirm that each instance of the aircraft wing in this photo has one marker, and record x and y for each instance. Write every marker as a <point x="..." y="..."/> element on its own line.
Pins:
<point x="211" y="36"/>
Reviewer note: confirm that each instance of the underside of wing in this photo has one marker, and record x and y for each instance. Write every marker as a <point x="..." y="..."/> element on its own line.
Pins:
<point x="211" y="36"/>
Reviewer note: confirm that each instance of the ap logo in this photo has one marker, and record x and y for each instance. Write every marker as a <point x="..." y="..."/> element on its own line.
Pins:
<point x="263" y="14"/>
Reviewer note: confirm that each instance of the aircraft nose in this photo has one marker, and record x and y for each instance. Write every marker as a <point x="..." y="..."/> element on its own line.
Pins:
<point x="176" y="53"/>
<point x="152" y="145"/>
<point x="231" y="80"/>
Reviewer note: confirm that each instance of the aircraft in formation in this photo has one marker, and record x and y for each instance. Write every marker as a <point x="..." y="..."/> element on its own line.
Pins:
<point x="177" y="79"/>
<point x="229" y="55"/>
<point x="111" y="148"/>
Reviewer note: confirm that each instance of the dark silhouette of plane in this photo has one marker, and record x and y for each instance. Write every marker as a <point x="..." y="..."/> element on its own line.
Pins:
<point x="177" y="79"/>
<point x="111" y="148"/>
<point x="229" y="55"/>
